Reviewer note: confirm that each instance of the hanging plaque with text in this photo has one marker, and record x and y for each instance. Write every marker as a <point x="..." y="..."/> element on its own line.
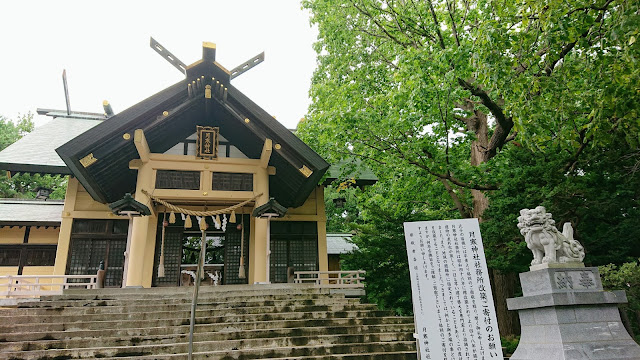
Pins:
<point x="452" y="301"/>
<point x="207" y="142"/>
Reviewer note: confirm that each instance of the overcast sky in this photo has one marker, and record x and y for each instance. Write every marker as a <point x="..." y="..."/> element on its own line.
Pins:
<point x="104" y="46"/>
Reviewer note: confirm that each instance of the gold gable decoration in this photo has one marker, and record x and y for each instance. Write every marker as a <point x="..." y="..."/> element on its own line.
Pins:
<point x="207" y="142"/>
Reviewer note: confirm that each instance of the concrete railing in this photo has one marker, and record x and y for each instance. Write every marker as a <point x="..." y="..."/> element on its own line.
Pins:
<point x="331" y="279"/>
<point x="33" y="286"/>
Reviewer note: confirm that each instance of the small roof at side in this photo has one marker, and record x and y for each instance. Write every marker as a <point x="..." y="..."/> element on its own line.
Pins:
<point x="338" y="243"/>
<point x="30" y="212"/>
<point x="36" y="151"/>
<point x="350" y="168"/>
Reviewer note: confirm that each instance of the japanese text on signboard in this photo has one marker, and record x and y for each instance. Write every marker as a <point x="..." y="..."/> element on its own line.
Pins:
<point x="453" y="305"/>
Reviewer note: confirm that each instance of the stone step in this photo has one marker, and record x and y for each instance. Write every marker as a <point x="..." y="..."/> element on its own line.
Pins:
<point x="184" y="312"/>
<point x="241" y="318"/>
<point x="110" y="307"/>
<point x="400" y="355"/>
<point x="127" y="340"/>
<point x="397" y="355"/>
<point x="165" y="329"/>
<point x="241" y="349"/>
<point x="115" y="301"/>
<point x="187" y="291"/>
<point x="277" y="322"/>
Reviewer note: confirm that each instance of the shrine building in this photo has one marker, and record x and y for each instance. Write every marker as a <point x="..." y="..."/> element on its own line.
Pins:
<point x="145" y="182"/>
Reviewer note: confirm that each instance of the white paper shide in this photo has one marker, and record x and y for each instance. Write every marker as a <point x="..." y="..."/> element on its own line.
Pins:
<point x="452" y="301"/>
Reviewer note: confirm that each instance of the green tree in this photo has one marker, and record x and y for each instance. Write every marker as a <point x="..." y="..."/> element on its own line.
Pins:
<point x="443" y="85"/>
<point x="625" y="277"/>
<point x="379" y="235"/>
<point x="25" y="185"/>
<point x="445" y="90"/>
<point x="10" y="132"/>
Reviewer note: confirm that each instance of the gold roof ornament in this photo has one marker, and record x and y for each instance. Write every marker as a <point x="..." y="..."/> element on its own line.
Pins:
<point x="306" y="171"/>
<point x="88" y="160"/>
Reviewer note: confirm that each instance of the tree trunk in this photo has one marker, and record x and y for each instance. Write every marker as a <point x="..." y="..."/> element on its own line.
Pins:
<point x="478" y="124"/>
<point x="503" y="284"/>
<point x="503" y="287"/>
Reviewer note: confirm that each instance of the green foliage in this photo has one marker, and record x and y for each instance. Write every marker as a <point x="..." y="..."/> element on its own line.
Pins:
<point x="340" y="218"/>
<point x="10" y="132"/>
<point x="26" y="185"/>
<point x="430" y="95"/>
<point x="599" y="197"/>
<point x="509" y="344"/>
<point x="625" y="277"/>
<point x="382" y="209"/>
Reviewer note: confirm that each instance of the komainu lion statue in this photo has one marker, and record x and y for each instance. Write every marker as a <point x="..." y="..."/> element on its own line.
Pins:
<point x="545" y="241"/>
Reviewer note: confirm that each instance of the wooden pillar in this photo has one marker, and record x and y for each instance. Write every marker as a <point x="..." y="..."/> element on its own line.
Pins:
<point x="64" y="237"/>
<point x="258" y="245"/>
<point x="142" y="228"/>
<point x="252" y="241"/>
<point x="323" y="260"/>
<point x="150" y="249"/>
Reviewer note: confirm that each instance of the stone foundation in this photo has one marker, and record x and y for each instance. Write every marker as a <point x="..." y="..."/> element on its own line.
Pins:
<point x="565" y="314"/>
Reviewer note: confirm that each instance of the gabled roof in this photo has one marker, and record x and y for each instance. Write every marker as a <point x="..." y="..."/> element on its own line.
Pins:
<point x="338" y="243"/>
<point x="35" y="152"/>
<point x="30" y="212"/>
<point x="171" y="115"/>
<point x="351" y="168"/>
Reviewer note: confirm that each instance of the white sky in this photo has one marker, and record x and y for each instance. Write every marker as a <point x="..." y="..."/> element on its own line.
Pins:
<point x="104" y="46"/>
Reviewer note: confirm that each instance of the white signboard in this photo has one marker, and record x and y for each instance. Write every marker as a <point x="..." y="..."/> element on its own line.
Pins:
<point x="452" y="301"/>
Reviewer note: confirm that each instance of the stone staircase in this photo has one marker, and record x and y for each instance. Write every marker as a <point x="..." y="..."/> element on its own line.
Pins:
<point x="278" y="321"/>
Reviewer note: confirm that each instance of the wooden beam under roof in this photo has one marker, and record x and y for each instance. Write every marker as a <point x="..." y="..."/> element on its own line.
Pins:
<point x="266" y="153"/>
<point x="141" y="145"/>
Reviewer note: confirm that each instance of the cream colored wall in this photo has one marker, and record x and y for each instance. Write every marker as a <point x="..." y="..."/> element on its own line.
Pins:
<point x="8" y="270"/>
<point x="37" y="235"/>
<point x="38" y="270"/>
<point x="43" y="235"/>
<point x="14" y="235"/>
<point x="308" y="208"/>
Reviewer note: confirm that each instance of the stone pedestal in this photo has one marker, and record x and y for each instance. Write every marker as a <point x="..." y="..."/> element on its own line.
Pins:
<point x="565" y="314"/>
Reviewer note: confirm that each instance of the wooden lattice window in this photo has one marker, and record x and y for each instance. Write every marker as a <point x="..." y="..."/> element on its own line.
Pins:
<point x="172" y="255"/>
<point x="93" y="241"/>
<point x="231" y="181"/>
<point x="293" y="244"/>
<point x="22" y="255"/>
<point x="10" y="255"/>
<point x="174" y="179"/>
<point x="232" y="252"/>
<point x="44" y="255"/>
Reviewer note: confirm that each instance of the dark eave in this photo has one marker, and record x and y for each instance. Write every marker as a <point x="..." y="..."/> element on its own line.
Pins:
<point x="34" y="169"/>
<point x="109" y="178"/>
<point x="10" y="224"/>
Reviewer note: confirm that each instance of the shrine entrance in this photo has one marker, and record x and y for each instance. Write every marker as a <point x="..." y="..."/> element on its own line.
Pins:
<point x="223" y="253"/>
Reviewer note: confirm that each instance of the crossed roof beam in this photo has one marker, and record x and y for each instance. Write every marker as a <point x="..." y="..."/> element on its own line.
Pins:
<point x="208" y="54"/>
